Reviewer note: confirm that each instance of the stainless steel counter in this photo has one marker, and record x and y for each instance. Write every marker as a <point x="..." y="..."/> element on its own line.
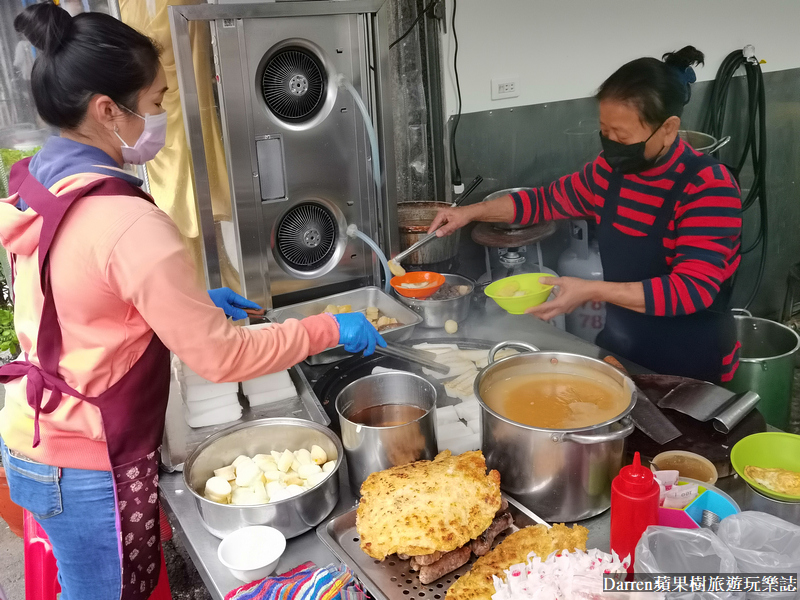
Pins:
<point x="490" y="323"/>
<point x="202" y="546"/>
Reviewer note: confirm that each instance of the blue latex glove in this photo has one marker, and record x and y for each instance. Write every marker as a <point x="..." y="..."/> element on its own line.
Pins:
<point x="232" y="303"/>
<point x="357" y="334"/>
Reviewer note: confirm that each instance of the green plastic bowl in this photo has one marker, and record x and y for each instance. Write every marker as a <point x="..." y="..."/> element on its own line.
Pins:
<point x="535" y="292"/>
<point x="770" y="450"/>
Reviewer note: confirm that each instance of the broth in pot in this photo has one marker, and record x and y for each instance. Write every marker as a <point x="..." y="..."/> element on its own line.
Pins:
<point x="555" y="400"/>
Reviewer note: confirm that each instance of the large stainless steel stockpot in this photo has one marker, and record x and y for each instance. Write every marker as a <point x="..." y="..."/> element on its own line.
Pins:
<point x="292" y="516"/>
<point x="561" y="474"/>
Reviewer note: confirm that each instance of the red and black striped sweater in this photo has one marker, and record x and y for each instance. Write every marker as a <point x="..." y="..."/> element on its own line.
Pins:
<point x="702" y="240"/>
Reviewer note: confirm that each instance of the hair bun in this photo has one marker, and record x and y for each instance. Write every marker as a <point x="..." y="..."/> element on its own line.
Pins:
<point x="688" y="56"/>
<point x="46" y="26"/>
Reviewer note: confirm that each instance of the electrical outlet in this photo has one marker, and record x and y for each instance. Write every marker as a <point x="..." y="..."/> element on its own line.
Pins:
<point x="507" y="87"/>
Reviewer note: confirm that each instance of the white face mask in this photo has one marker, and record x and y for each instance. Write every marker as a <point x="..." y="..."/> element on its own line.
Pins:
<point x="150" y="143"/>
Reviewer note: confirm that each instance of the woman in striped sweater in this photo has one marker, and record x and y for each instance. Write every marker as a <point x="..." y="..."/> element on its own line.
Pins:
<point x="668" y="225"/>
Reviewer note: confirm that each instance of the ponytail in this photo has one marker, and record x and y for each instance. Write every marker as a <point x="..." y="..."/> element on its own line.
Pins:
<point x="82" y="56"/>
<point x="658" y="89"/>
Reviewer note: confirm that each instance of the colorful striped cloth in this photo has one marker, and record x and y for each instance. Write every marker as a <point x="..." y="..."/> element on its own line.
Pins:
<point x="305" y="582"/>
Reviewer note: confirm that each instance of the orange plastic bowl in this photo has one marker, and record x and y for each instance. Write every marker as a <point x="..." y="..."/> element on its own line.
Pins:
<point x="434" y="281"/>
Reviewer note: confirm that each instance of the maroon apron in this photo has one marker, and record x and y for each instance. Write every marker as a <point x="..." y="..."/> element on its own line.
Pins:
<point x="132" y="410"/>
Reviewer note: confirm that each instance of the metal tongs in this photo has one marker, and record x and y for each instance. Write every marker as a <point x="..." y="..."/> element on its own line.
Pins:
<point x="420" y="357"/>
<point x="395" y="262"/>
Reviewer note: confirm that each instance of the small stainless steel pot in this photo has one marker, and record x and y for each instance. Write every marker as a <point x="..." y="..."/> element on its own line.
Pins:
<point x="434" y="313"/>
<point x="370" y="449"/>
<point x="561" y="474"/>
<point x="292" y="516"/>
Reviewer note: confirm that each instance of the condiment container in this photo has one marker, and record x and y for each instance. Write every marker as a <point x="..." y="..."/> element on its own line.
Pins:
<point x="252" y="553"/>
<point x="688" y="464"/>
<point x="634" y="507"/>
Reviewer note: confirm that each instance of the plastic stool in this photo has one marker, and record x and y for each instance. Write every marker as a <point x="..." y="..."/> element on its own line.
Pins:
<point x="41" y="572"/>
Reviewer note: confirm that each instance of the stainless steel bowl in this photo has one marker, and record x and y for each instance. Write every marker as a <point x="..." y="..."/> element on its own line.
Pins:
<point x="755" y="500"/>
<point x="434" y="313"/>
<point x="292" y="516"/>
<point x="702" y="142"/>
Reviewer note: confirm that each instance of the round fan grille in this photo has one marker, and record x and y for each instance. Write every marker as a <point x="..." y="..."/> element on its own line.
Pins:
<point x="306" y="236"/>
<point x="293" y="84"/>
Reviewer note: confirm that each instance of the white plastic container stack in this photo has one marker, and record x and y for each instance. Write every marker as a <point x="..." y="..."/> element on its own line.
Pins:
<point x="206" y="403"/>
<point x="269" y="388"/>
<point x="458" y="425"/>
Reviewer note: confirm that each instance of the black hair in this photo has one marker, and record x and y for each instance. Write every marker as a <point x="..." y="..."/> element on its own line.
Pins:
<point x="79" y="57"/>
<point x="658" y="89"/>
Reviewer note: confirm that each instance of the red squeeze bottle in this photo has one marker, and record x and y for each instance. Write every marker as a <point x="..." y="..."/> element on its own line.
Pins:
<point x="634" y="507"/>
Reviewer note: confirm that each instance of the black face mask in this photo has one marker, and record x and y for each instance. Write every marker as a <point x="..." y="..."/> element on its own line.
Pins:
<point x="627" y="158"/>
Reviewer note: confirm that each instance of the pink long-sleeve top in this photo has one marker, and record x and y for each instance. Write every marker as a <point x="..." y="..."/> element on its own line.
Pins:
<point x="120" y="272"/>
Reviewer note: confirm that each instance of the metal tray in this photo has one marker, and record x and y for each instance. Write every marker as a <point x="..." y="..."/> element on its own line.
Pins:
<point x="391" y="579"/>
<point x="180" y="440"/>
<point x="359" y="299"/>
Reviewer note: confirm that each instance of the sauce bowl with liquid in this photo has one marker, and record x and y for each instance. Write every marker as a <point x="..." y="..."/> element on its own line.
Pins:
<point x="387" y="420"/>
<point x="554" y="425"/>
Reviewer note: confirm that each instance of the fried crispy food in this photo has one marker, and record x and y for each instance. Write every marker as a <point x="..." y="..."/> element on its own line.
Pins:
<point x="478" y="583"/>
<point x="777" y="480"/>
<point x="427" y="506"/>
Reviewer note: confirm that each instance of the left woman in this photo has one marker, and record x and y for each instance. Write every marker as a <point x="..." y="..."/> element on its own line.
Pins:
<point x="104" y="290"/>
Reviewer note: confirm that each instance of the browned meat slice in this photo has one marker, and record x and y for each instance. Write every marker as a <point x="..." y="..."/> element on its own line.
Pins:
<point x="483" y="543"/>
<point x="449" y="562"/>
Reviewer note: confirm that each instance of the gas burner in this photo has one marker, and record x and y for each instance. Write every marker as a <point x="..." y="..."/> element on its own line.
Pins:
<point x="511" y="258"/>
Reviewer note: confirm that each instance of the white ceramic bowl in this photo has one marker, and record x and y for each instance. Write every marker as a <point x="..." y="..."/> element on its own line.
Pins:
<point x="252" y="553"/>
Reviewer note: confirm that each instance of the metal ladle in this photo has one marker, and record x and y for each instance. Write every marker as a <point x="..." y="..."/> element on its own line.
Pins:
<point x="394" y="264"/>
